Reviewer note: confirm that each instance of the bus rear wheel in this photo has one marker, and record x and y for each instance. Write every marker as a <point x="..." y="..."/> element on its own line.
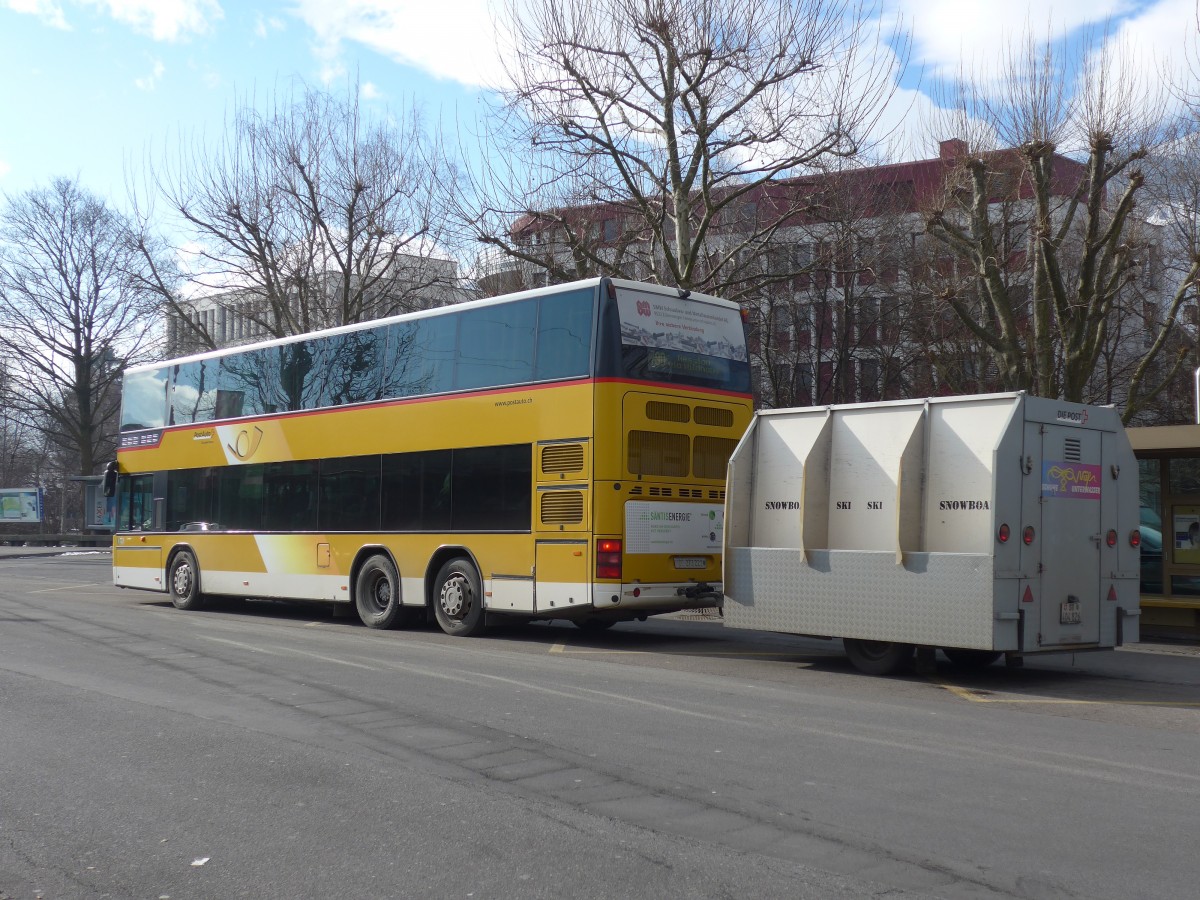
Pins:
<point x="377" y="593"/>
<point x="183" y="578"/>
<point x="458" y="599"/>
<point x="878" y="657"/>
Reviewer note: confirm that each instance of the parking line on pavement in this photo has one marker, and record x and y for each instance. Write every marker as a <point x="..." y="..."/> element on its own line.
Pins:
<point x="68" y="587"/>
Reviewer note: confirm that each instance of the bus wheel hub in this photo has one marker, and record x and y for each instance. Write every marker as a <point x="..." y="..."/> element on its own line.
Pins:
<point x="454" y="597"/>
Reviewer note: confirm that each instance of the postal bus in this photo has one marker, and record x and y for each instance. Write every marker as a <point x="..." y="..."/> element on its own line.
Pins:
<point x="556" y="453"/>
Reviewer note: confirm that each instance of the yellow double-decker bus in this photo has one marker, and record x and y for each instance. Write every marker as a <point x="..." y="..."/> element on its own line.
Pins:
<point x="557" y="453"/>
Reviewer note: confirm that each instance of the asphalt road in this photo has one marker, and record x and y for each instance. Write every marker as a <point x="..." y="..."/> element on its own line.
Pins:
<point x="271" y="750"/>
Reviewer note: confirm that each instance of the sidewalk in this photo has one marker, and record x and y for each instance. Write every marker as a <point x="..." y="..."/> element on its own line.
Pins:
<point x="29" y="552"/>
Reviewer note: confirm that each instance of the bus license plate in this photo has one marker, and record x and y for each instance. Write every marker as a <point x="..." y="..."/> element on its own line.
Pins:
<point x="691" y="562"/>
<point x="1070" y="614"/>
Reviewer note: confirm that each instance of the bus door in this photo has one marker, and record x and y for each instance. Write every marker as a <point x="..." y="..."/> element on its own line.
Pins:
<point x="1069" y="535"/>
<point x="137" y="547"/>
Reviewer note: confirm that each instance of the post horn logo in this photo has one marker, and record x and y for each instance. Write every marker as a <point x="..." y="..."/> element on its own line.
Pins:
<point x="245" y="444"/>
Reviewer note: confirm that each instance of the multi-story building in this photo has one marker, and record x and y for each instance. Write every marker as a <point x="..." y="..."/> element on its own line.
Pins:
<point x="846" y="286"/>
<point x="225" y="318"/>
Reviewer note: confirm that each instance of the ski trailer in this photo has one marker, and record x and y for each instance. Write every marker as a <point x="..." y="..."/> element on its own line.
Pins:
<point x="988" y="525"/>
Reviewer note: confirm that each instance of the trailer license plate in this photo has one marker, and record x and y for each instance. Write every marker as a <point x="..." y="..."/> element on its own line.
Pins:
<point x="691" y="562"/>
<point x="1069" y="613"/>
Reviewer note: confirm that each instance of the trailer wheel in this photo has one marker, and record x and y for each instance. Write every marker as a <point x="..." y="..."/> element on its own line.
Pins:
<point x="971" y="659"/>
<point x="594" y="625"/>
<point x="878" y="657"/>
<point x="184" y="581"/>
<point x="458" y="599"/>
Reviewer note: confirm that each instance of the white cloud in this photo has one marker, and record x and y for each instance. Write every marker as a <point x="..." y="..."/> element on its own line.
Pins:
<point x="163" y="20"/>
<point x="5" y="168"/>
<point x="49" y="11"/>
<point x="454" y="40"/>
<point x="948" y="34"/>
<point x="264" y="25"/>
<point x="369" y="91"/>
<point x="150" y="82"/>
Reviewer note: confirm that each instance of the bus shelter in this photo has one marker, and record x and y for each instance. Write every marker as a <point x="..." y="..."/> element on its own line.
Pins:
<point x="1169" y="477"/>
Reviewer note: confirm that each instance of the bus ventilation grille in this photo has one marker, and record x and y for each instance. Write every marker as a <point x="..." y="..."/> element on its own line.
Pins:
<point x="562" y="508"/>
<point x="658" y="453"/>
<point x="711" y="415"/>
<point x="562" y="458"/>
<point x="716" y="495"/>
<point x="668" y="412"/>
<point x="710" y="456"/>
<point x="1073" y="451"/>
<point x="661" y="492"/>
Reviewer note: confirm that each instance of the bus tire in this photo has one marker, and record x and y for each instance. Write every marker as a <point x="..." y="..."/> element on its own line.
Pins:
<point x="377" y="593"/>
<point x="458" y="599"/>
<point x="878" y="657"/>
<point x="971" y="659"/>
<point x="183" y="581"/>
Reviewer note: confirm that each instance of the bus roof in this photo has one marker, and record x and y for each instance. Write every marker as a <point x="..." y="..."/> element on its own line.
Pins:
<point x="441" y="310"/>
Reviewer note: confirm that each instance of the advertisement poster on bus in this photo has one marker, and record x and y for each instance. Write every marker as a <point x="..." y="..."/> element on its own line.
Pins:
<point x="675" y="323"/>
<point x="657" y="527"/>
<point x="20" y="505"/>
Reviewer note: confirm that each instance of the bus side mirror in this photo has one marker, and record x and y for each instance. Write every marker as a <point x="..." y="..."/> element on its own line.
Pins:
<point x="110" y="479"/>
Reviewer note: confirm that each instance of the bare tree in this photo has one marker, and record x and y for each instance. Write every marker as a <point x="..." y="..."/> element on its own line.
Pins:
<point x="834" y="331"/>
<point x="309" y="214"/>
<point x="72" y="315"/>
<point x="1066" y="164"/>
<point x="640" y="137"/>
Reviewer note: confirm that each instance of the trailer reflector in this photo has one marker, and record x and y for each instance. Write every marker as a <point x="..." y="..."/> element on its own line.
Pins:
<point x="1027" y="597"/>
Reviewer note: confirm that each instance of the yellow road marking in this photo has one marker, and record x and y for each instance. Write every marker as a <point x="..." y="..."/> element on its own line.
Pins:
<point x="972" y="696"/>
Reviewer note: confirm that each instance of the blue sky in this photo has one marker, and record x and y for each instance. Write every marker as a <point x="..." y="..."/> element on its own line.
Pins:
<point x="90" y="86"/>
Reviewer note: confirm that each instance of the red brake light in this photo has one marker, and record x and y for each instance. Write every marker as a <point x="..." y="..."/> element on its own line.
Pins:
<point x="1111" y="537"/>
<point x="1135" y="538"/>
<point x="608" y="558"/>
<point x="1002" y="534"/>
<point x="1027" y="536"/>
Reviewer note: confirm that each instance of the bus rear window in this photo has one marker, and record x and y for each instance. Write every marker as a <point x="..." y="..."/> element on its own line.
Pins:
<point x="682" y="341"/>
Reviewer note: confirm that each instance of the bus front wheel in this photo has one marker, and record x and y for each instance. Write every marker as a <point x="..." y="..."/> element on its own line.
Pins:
<point x="184" y="581"/>
<point x="377" y="593"/>
<point x="458" y="599"/>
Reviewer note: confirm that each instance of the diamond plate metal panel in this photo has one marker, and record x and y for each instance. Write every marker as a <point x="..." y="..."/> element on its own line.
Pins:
<point x="939" y="599"/>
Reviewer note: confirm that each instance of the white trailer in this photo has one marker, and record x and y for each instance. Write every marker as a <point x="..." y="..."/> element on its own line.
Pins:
<point x="980" y="525"/>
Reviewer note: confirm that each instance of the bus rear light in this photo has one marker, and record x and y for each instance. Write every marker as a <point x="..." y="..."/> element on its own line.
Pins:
<point x="1027" y="536"/>
<point x="1135" y="538"/>
<point x="1111" y="537"/>
<point x="608" y="558"/>
<point x="1002" y="534"/>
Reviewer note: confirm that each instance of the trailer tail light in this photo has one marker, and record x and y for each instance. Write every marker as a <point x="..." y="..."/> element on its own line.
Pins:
<point x="1002" y="534"/>
<point x="1027" y="536"/>
<point x="608" y="558"/>
<point x="1135" y="538"/>
<point x="1111" y="537"/>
